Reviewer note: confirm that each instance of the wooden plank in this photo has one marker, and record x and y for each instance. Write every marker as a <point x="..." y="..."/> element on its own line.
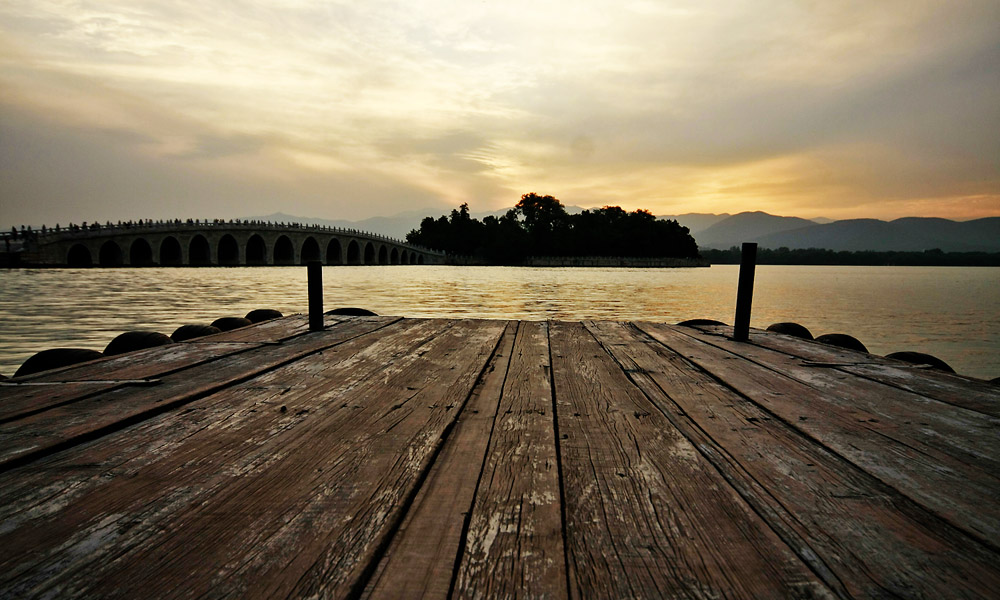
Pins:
<point x="965" y="392"/>
<point x="18" y="400"/>
<point x="891" y="434"/>
<point x="140" y="364"/>
<point x="862" y="537"/>
<point x="128" y="453"/>
<point x="66" y="425"/>
<point x="25" y="396"/>
<point x="514" y="544"/>
<point x="928" y="425"/>
<point x="421" y="561"/>
<point x="33" y="396"/>
<point x="56" y="496"/>
<point x="646" y="514"/>
<point x="265" y="503"/>
<point x="274" y="330"/>
<point x="152" y="362"/>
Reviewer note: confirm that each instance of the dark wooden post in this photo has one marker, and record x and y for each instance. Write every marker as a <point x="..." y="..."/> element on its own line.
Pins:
<point x="744" y="293"/>
<point x="315" y="273"/>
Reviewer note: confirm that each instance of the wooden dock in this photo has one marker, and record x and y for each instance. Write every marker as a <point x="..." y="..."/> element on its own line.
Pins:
<point x="403" y="458"/>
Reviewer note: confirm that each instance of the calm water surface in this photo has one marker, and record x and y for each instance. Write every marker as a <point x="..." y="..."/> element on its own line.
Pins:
<point x="950" y="312"/>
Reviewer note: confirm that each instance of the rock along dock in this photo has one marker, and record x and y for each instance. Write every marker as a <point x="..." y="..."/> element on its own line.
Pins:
<point x="389" y="457"/>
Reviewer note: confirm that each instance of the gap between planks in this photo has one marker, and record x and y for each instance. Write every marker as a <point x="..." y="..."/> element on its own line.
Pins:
<point x="69" y="424"/>
<point x="861" y="536"/>
<point x="940" y="456"/>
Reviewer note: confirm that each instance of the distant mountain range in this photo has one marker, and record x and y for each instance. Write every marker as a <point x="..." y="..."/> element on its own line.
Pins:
<point x="769" y="231"/>
<point x="697" y="222"/>
<point x="913" y="234"/>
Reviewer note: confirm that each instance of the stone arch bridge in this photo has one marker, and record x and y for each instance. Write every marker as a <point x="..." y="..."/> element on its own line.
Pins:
<point x="211" y="243"/>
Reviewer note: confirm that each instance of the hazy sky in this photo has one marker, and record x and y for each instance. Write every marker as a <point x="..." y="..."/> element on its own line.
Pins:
<point x="347" y="109"/>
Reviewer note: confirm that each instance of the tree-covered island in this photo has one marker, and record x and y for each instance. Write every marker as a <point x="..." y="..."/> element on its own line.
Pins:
<point x="540" y="226"/>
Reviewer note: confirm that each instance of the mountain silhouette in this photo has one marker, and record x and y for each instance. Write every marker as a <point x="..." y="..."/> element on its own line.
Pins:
<point x="913" y="234"/>
<point x="696" y="222"/>
<point x="747" y="227"/>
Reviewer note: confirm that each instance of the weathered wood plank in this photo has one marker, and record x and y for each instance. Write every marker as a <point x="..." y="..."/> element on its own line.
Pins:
<point x="961" y="391"/>
<point x="27" y="395"/>
<point x="265" y="503"/>
<point x="926" y="424"/>
<point x="888" y="433"/>
<point x="51" y="389"/>
<point x="646" y="514"/>
<point x="274" y="330"/>
<point x="19" y="400"/>
<point x="256" y="399"/>
<point x="514" y="544"/>
<point x="139" y="364"/>
<point x="861" y="536"/>
<point x="378" y="458"/>
<point x="421" y="561"/>
<point x="83" y="420"/>
<point x="151" y="455"/>
<point x="153" y="362"/>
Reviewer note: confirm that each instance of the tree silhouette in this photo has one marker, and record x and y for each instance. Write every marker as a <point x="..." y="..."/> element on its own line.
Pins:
<point x="540" y="226"/>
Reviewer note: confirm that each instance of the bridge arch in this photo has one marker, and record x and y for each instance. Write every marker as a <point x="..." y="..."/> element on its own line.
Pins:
<point x="110" y="254"/>
<point x="207" y="243"/>
<point x="354" y="253"/>
<point x="229" y="251"/>
<point x="140" y="253"/>
<point x="170" y="252"/>
<point x="334" y="252"/>
<point x="310" y="251"/>
<point x="256" y="250"/>
<point x="284" y="251"/>
<point x="420" y="259"/>
<point x="199" y="252"/>
<point x="79" y="256"/>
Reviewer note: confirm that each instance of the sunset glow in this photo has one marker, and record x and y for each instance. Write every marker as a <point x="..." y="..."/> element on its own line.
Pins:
<point x="337" y="109"/>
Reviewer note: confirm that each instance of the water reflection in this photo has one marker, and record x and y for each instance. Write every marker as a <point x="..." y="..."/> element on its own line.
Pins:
<point x="953" y="313"/>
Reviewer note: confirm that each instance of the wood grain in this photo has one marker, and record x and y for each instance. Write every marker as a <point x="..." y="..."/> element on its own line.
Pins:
<point x="36" y="393"/>
<point x="441" y="458"/>
<point x="210" y="520"/>
<point x="642" y="501"/>
<point x="889" y="433"/>
<point x="274" y="330"/>
<point x="420" y="562"/>
<point x="862" y="537"/>
<point x="96" y="415"/>
<point x="514" y="541"/>
<point x="958" y="390"/>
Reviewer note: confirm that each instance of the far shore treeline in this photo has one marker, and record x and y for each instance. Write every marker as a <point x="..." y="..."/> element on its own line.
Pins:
<point x="540" y="226"/>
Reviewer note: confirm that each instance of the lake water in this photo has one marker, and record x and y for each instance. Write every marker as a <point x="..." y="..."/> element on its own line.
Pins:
<point x="950" y="312"/>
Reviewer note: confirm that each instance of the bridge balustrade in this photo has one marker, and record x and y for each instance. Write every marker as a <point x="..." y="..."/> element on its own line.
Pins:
<point x="197" y="242"/>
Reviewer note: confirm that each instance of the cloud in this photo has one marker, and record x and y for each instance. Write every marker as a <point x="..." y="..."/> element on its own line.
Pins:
<point x="55" y="173"/>
<point x="348" y="109"/>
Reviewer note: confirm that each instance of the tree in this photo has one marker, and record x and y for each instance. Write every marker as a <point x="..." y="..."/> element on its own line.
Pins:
<point x="540" y="226"/>
<point x="545" y="221"/>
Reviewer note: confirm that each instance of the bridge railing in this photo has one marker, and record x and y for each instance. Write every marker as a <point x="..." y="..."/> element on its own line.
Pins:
<point x="96" y="229"/>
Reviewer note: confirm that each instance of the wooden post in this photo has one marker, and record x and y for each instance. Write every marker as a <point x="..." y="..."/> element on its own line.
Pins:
<point x="744" y="293"/>
<point x="315" y="274"/>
